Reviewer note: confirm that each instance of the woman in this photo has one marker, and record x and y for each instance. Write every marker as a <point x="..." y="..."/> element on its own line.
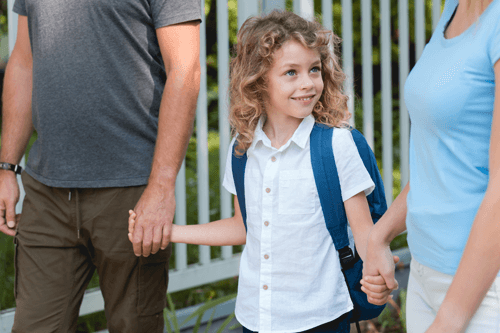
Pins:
<point x="451" y="205"/>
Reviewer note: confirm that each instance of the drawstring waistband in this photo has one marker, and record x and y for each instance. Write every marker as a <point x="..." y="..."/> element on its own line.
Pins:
<point x="77" y="212"/>
<point x="78" y="222"/>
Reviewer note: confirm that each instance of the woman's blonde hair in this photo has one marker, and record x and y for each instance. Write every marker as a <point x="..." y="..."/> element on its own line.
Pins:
<point x="258" y="40"/>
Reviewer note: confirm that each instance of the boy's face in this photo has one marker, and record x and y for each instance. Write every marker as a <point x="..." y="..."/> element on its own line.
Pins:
<point x="294" y="83"/>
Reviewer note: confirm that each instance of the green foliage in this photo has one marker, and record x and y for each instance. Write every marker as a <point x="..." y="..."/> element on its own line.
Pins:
<point x="3" y="17"/>
<point x="402" y="314"/>
<point x="393" y="317"/>
<point x="399" y="242"/>
<point x="170" y="315"/>
<point x="386" y="319"/>
<point x="6" y="272"/>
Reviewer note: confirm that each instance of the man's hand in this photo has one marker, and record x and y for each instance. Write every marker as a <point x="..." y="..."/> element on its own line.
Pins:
<point x="153" y="221"/>
<point x="9" y="196"/>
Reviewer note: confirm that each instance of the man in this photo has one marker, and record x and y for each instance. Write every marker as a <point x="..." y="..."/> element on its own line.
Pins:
<point x="110" y="87"/>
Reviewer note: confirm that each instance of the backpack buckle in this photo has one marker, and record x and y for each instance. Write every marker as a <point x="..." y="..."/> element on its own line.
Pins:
<point x="347" y="258"/>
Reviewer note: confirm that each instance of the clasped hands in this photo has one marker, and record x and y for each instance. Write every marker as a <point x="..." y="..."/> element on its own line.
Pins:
<point x="153" y="217"/>
<point x="378" y="273"/>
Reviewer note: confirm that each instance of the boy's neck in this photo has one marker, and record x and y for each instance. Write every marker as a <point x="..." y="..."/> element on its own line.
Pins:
<point x="280" y="131"/>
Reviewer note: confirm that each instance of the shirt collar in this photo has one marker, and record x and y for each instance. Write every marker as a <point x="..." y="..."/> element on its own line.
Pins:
<point x="299" y="137"/>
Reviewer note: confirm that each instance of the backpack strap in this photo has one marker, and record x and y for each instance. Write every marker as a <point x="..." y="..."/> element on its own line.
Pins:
<point x="376" y="199"/>
<point x="238" y="164"/>
<point x="330" y="195"/>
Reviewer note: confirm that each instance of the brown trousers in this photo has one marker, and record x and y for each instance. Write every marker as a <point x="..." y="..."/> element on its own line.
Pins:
<point x="63" y="236"/>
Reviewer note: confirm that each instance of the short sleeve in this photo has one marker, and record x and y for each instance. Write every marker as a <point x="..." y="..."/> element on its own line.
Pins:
<point x="228" y="181"/>
<point x="353" y="175"/>
<point x="494" y="42"/>
<point x="168" y="12"/>
<point x="20" y="7"/>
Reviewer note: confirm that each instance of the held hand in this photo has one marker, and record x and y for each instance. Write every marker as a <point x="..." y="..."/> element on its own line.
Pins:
<point x="9" y="196"/>
<point x="131" y="225"/>
<point x="376" y="288"/>
<point x="153" y="220"/>
<point x="379" y="262"/>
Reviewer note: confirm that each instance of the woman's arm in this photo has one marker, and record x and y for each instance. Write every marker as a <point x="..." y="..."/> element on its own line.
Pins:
<point x="378" y="268"/>
<point x="480" y="262"/>
<point x="230" y="231"/>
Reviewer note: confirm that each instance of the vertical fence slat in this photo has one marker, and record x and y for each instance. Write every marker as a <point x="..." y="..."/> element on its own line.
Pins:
<point x="436" y="13"/>
<point x="269" y="5"/>
<point x="366" y="44"/>
<point x="202" y="143"/>
<point x="404" y="69"/>
<point x="180" y="216"/>
<point x="12" y="24"/>
<point x="385" y="29"/>
<point x="419" y="28"/>
<point x="247" y="9"/>
<point x="224" y="133"/>
<point x="304" y="8"/>
<point x="347" y="55"/>
<point x="327" y="9"/>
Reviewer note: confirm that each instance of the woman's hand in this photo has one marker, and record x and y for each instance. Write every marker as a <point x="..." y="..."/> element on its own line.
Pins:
<point x="378" y="271"/>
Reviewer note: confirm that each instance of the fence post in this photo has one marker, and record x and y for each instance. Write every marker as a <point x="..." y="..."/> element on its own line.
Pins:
<point x="304" y="8"/>
<point x="269" y="5"/>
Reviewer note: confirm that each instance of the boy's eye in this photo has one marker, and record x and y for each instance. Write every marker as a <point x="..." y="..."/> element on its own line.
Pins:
<point x="290" y="72"/>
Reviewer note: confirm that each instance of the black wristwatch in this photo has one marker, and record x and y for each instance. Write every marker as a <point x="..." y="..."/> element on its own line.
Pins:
<point x="12" y="167"/>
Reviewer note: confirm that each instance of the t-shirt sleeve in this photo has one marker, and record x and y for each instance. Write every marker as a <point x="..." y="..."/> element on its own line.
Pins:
<point x="353" y="175"/>
<point x="168" y="12"/>
<point x="494" y="49"/>
<point x="20" y="7"/>
<point x="228" y="181"/>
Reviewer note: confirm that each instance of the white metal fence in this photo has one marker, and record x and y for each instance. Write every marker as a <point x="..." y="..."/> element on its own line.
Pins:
<point x="208" y="269"/>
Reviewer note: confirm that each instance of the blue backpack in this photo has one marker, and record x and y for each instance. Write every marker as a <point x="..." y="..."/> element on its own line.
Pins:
<point x="328" y="186"/>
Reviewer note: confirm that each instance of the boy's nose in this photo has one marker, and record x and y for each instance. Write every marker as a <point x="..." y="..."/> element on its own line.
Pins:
<point x="306" y="84"/>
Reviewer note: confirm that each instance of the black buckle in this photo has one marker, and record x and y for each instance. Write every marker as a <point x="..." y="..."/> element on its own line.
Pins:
<point x="347" y="258"/>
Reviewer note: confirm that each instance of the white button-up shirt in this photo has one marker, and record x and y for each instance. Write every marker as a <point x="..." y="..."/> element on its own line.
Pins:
<point x="290" y="275"/>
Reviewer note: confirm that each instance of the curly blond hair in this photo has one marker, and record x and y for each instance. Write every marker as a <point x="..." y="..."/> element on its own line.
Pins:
<point x="258" y="40"/>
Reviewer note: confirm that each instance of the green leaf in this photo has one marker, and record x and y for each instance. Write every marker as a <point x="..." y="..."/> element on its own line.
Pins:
<point x="167" y="320"/>
<point x="225" y="323"/>
<point x="173" y="314"/>
<point x="209" y="305"/>
<point x="209" y="323"/>
<point x="198" y="323"/>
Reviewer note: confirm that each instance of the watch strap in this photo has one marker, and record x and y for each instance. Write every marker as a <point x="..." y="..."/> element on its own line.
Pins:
<point x="12" y="167"/>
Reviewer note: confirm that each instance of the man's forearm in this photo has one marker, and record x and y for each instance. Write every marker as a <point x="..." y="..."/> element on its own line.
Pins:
<point x="17" y="125"/>
<point x="175" y="125"/>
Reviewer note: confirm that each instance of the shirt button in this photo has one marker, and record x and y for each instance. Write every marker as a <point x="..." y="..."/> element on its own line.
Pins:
<point x="268" y="190"/>
<point x="266" y="223"/>
<point x="266" y="256"/>
<point x="264" y="287"/>
<point x="273" y="159"/>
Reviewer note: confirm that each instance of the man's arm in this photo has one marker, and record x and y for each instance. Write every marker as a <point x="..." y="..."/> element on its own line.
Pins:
<point x="17" y="125"/>
<point x="155" y="210"/>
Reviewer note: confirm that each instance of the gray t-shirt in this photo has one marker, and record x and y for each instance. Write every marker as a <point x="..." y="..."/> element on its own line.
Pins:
<point x="98" y="78"/>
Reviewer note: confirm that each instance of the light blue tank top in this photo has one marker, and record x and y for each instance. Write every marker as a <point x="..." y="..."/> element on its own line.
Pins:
<point x="450" y="95"/>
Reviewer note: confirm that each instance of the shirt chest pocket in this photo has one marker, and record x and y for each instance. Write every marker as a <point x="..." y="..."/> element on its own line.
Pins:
<point x="297" y="192"/>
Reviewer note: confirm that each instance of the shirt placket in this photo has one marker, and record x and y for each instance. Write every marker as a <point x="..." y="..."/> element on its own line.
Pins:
<point x="269" y="192"/>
